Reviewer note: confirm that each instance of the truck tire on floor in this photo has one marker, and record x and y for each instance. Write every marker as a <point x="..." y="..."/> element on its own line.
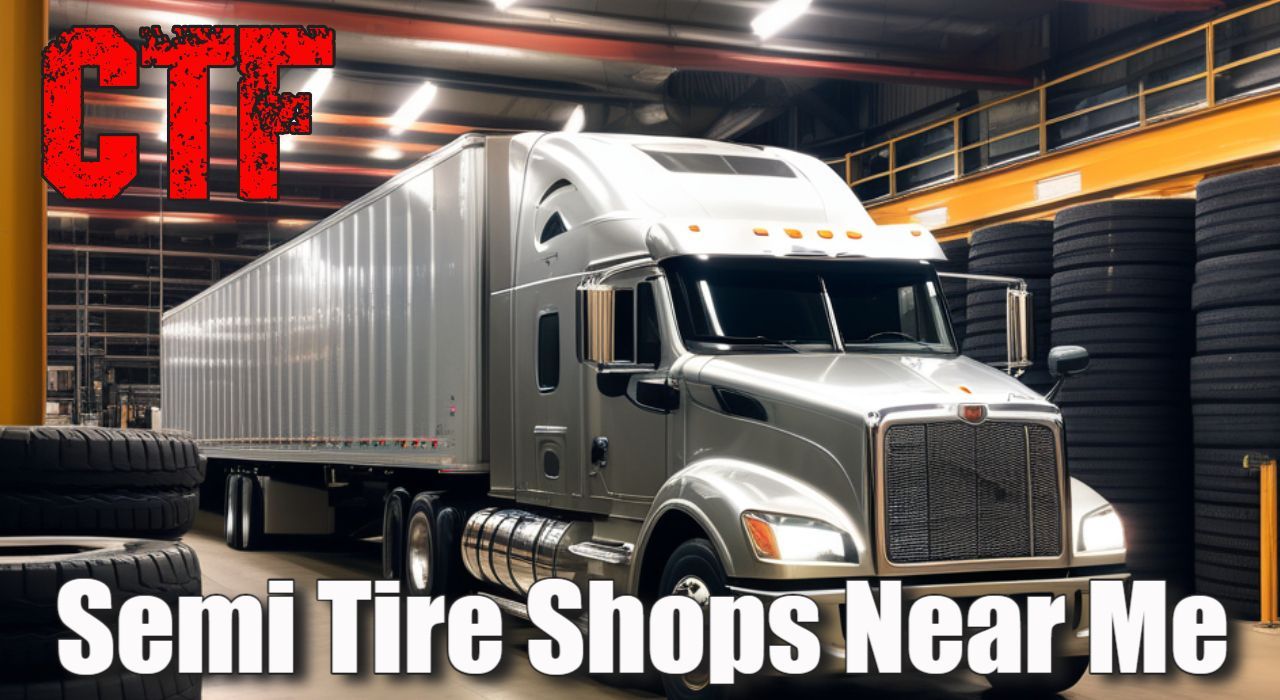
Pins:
<point x="33" y="569"/>
<point x="243" y="516"/>
<point x="85" y="458"/>
<point x="153" y="514"/>
<point x="108" y="686"/>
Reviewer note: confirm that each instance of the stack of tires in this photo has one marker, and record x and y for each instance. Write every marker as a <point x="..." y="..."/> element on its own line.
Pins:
<point x="1122" y="289"/>
<point x="1235" y="375"/>
<point x="955" y="291"/>
<point x="1021" y="249"/>
<point x="90" y="503"/>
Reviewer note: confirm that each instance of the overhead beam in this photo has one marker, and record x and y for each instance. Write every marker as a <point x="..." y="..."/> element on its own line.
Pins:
<point x="680" y="56"/>
<point x="1160" y="5"/>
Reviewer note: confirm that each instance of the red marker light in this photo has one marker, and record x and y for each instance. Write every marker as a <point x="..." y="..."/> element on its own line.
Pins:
<point x="973" y="413"/>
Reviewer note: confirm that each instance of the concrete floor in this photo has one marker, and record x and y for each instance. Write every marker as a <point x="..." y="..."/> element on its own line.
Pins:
<point x="1254" y="671"/>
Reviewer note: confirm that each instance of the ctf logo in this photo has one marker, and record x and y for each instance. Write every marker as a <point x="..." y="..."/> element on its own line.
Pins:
<point x="263" y="112"/>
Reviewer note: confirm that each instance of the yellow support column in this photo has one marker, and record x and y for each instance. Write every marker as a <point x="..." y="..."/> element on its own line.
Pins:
<point x="23" y="32"/>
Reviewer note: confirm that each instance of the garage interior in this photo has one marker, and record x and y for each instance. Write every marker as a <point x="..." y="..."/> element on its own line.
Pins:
<point x="1023" y="134"/>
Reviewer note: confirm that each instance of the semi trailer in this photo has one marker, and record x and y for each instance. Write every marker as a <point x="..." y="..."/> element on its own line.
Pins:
<point x="689" y="367"/>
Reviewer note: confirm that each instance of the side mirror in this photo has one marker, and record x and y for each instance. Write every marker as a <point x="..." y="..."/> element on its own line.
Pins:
<point x="657" y="394"/>
<point x="1065" y="361"/>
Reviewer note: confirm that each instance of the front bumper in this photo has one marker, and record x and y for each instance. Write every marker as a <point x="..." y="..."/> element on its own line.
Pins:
<point x="1071" y="638"/>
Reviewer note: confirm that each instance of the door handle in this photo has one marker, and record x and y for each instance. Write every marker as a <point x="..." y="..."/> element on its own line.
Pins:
<point x="600" y="452"/>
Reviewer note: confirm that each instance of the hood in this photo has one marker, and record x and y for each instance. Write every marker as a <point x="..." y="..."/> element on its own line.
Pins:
<point x="862" y="383"/>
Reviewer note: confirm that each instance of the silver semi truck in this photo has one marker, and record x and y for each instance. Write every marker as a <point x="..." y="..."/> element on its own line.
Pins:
<point x="690" y="367"/>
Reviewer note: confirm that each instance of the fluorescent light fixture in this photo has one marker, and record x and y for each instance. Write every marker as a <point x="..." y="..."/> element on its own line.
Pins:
<point x="503" y="4"/>
<point x="317" y="84"/>
<point x="577" y="120"/>
<point x="386" y="153"/>
<point x="294" y="222"/>
<point x="174" y="219"/>
<point x="66" y="214"/>
<point x="777" y="16"/>
<point x="413" y="108"/>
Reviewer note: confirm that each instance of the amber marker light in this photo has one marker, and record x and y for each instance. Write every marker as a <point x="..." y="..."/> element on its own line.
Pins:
<point x="823" y="233"/>
<point x="793" y="232"/>
<point x="761" y="535"/>
<point x="695" y="228"/>
<point x="853" y="234"/>
<point x="761" y="231"/>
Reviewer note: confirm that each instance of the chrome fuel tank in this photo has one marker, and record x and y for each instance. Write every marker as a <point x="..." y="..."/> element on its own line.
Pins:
<point x="515" y="548"/>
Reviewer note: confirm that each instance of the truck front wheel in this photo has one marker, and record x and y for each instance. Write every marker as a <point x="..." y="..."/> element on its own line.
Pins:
<point x="1067" y="671"/>
<point x="694" y="570"/>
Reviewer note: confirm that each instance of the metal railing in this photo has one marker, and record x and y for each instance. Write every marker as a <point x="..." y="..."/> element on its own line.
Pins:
<point x="1233" y="57"/>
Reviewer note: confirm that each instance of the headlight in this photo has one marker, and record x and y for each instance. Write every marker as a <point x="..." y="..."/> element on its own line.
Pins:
<point x="794" y="539"/>
<point x="1101" y="531"/>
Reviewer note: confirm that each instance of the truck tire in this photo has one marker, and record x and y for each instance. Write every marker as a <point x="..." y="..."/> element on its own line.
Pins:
<point x="107" y="686"/>
<point x="1239" y="329"/>
<point x="1237" y="213"/>
<point x="1122" y="288"/>
<point x="693" y="570"/>
<point x="150" y="514"/>
<point x="33" y="569"/>
<point x="433" y="547"/>
<point x="1232" y="281"/>
<point x="394" y="528"/>
<point x="74" y="458"/>
<point x="1067" y="671"/>
<point x="955" y="290"/>
<point x="1130" y="231"/>
<point x="243" y="522"/>
<point x="1126" y="333"/>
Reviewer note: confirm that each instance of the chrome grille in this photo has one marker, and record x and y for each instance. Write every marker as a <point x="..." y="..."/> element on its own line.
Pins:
<point x="957" y="492"/>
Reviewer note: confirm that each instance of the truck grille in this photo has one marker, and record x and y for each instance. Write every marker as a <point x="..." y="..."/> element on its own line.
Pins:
<point x="956" y="492"/>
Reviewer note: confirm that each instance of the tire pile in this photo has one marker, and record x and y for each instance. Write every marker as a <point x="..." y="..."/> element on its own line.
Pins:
<point x="1235" y="376"/>
<point x="90" y="503"/>
<point x="956" y="291"/>
<point x="1021" y="249"/>
<point x="1121" y="288"/>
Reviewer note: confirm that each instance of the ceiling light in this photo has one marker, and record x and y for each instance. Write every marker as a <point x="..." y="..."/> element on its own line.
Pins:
<point x="778" y="15"/>
<point x="174" y="219"/>
<point x="577" y="120"/>
<point x="287" y="144"/>
<point x="386" y="153"/>
<point x="503" y="4"/>
<point x="294" y="222"/>
<point x="66" y="214"/>
<point x="317" y="84"/>
<point x="413" y="108"/>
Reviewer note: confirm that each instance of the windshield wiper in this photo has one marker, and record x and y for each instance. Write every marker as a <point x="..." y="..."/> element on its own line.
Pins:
<point x="904" y="336"/>
<point x="746" y="340"/>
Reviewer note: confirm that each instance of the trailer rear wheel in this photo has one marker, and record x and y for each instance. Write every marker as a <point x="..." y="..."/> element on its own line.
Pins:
<point x="694" y="570"/>
<point x="393" y="534"/>
<point x="244" y="512"/>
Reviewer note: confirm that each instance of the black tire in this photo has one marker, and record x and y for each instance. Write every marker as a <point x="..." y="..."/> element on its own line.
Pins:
<point x="1066" y="673"/>
<point x="243" y="523"/>
<point x="107" y="686"/>
<point x="394" y="507"/>
<point x="1238" y="213"/>
<point x="1143" y="288"/>
<point x="151" y="514"/>
<point x="1231" y="281"/>
<point x="32" y="571"/>
<point x="435" y="528"/>
<point x="1248" y="427"/>
<point x="1131" y="231"/>
<point x="1126" y="333"/>
<point x="1239" y="329"/>
<point x="67" y="458"/>
<point x="1129" y="381"/>
<point x="1246" y="377"/>
<point x="697" y="559"/>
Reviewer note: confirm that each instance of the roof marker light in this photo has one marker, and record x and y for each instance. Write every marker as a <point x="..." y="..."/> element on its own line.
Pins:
<point x="695" y="228"/>
<point x="915" y="232"/>
<point x="823" y="233"/>
<point x="853" y="234"/>
<point x="760" y="231"/>
<point x="793" y="232"/>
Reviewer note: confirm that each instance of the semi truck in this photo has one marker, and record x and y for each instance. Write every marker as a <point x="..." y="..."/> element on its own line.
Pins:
<point x="689" y="367"/>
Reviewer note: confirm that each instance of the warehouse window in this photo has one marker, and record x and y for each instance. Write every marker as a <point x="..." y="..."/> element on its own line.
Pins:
<point x="548" y="351"/>
<point x="714" y="164"/>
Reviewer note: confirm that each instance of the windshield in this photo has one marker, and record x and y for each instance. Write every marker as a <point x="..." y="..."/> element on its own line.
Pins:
<point x="730" y="304"/>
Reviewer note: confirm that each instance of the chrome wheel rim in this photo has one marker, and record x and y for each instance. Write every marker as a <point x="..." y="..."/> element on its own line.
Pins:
<point x="695" y="588"/>
<point x="419" y="549"/>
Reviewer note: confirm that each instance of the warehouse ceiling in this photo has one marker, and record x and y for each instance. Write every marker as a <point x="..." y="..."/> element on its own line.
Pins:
<point x="679" y="67"/>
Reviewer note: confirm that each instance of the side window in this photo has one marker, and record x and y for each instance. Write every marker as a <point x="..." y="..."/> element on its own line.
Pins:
<point x="548" y="351"/>
<point x="554" y="227"/>
<point x="648" y="339"/>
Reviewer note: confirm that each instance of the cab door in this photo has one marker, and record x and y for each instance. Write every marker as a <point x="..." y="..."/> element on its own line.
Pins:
<point x="625" y="439"/>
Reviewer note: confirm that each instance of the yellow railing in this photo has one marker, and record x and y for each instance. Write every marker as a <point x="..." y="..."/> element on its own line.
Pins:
<point x="1230" y="58"/>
